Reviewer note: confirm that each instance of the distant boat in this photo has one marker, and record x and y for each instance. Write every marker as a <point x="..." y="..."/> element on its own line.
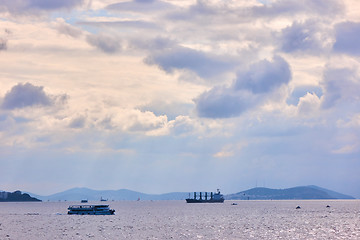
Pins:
<point x="90" y="210"/>
<point x="214" y="198"/>
<point x="84" y="201"/>
<point x="103" y="200"/>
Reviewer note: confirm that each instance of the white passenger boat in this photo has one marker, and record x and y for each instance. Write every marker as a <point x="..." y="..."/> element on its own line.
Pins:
<point x="90" y="210"/>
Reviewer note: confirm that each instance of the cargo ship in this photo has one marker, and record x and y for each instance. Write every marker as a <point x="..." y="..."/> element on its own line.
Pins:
<point x="206" y="198"/>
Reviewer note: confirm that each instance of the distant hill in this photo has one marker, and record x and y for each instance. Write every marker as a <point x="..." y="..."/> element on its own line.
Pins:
<point x="333" y="194"/>
<point x="77" y="194"/>
<point x="303" y="192"/>
<point x="17" y="196"/>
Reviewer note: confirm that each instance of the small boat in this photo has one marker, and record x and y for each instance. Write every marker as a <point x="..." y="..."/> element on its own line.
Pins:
<point x="214" y="198"/>
<point x="103" y="199"/>
<point x="90" y="210"/>
<point x="84" y="201"/>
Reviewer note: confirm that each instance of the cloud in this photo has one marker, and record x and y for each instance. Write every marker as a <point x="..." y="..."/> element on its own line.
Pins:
<point x="290" y="8"/>
<point x="264" y="76"/>
<point x="78" y="122"/>
<point x="341" y="88"/>
<point x="131" y="121"/>
<point x="308" y="37"/>
<point x="347" y="149"/>
<point x="220" y="13"/>
<point x="183" y="125"/>
<point x="248" y="90"/>
<point x="203" y="64"/>
<point x="347" y="38"/>
<point x="201" y="11"/>
<point x="155" y="44"/>
<point x="223" y="102"/>
<point x="27" y="95"/>
<point x="4" y="39"/>
<point x="67" y="29"/>
<point x="226" y="151"/>
<point x="186" y="126"/>
<point x="301" y="91"/>
<point x="308" y="104"/>
<point x="140" y="6"/>
<point x="34" y="6"/>
<point x="145" y="122"/>
<point x="105" y="43"/>
<point x="170" y="109"/>
<point x="129" y="24"/>
<point x="3" y="44"/>
<point x="53" y="5"/>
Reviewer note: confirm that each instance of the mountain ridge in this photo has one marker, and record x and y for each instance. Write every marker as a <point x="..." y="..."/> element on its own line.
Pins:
<point x="17" y="196"/>
<point x="300" y="192"/>
<point x="76" y="194"/>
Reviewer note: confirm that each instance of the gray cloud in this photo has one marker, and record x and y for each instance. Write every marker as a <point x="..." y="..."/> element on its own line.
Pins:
<point x="33" y="6"/>
<point x="105" y="43"/>
<point x="156" y="44"/>
<point x="348" y="38"/>
<point x="4" y="39"/>
<point x="67" y="29"/>
<point x="249" y="89"/>
<point x="135" y="24"/>
<point x="53" y="5"/>
<point x="3" y="44"/>
<point x="289" y="7"/>
<point x="341" y="87"/>
<point x="198" y="10"/>
<point x="203" y="64"/>
<point x="304" y="37"/>
<point x="208" y="14"/>
<point x="219" y="13"/>
<point x="78" y="122"/>
<point x="264" y="76"/>
<point x="140" y="6"/>
<point x="26" y="95"/>
<point x="223" y="102"/>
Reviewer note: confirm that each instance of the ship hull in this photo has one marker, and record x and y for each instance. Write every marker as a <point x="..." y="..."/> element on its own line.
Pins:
<point x="91" y="213"/>
<point x="189" y="200"/>
<point x="90" y="210"/>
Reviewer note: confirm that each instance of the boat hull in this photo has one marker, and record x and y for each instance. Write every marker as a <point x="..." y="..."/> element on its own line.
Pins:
<point x="90" y="213"/>
<point x="190" y="200"/>
<point x="90" y="210"/>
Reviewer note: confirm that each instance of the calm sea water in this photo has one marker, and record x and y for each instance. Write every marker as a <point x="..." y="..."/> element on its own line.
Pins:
<point x="178" y="220"/>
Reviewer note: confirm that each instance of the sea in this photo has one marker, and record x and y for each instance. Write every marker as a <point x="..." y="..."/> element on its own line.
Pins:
<point x="246" y="219"/>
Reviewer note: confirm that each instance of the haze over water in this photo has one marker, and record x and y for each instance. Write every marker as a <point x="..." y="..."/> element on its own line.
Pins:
<point x="178" y="220"/>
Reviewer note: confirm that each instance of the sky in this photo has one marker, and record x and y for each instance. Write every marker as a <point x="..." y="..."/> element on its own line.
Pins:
<point x="164" y="96"/>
